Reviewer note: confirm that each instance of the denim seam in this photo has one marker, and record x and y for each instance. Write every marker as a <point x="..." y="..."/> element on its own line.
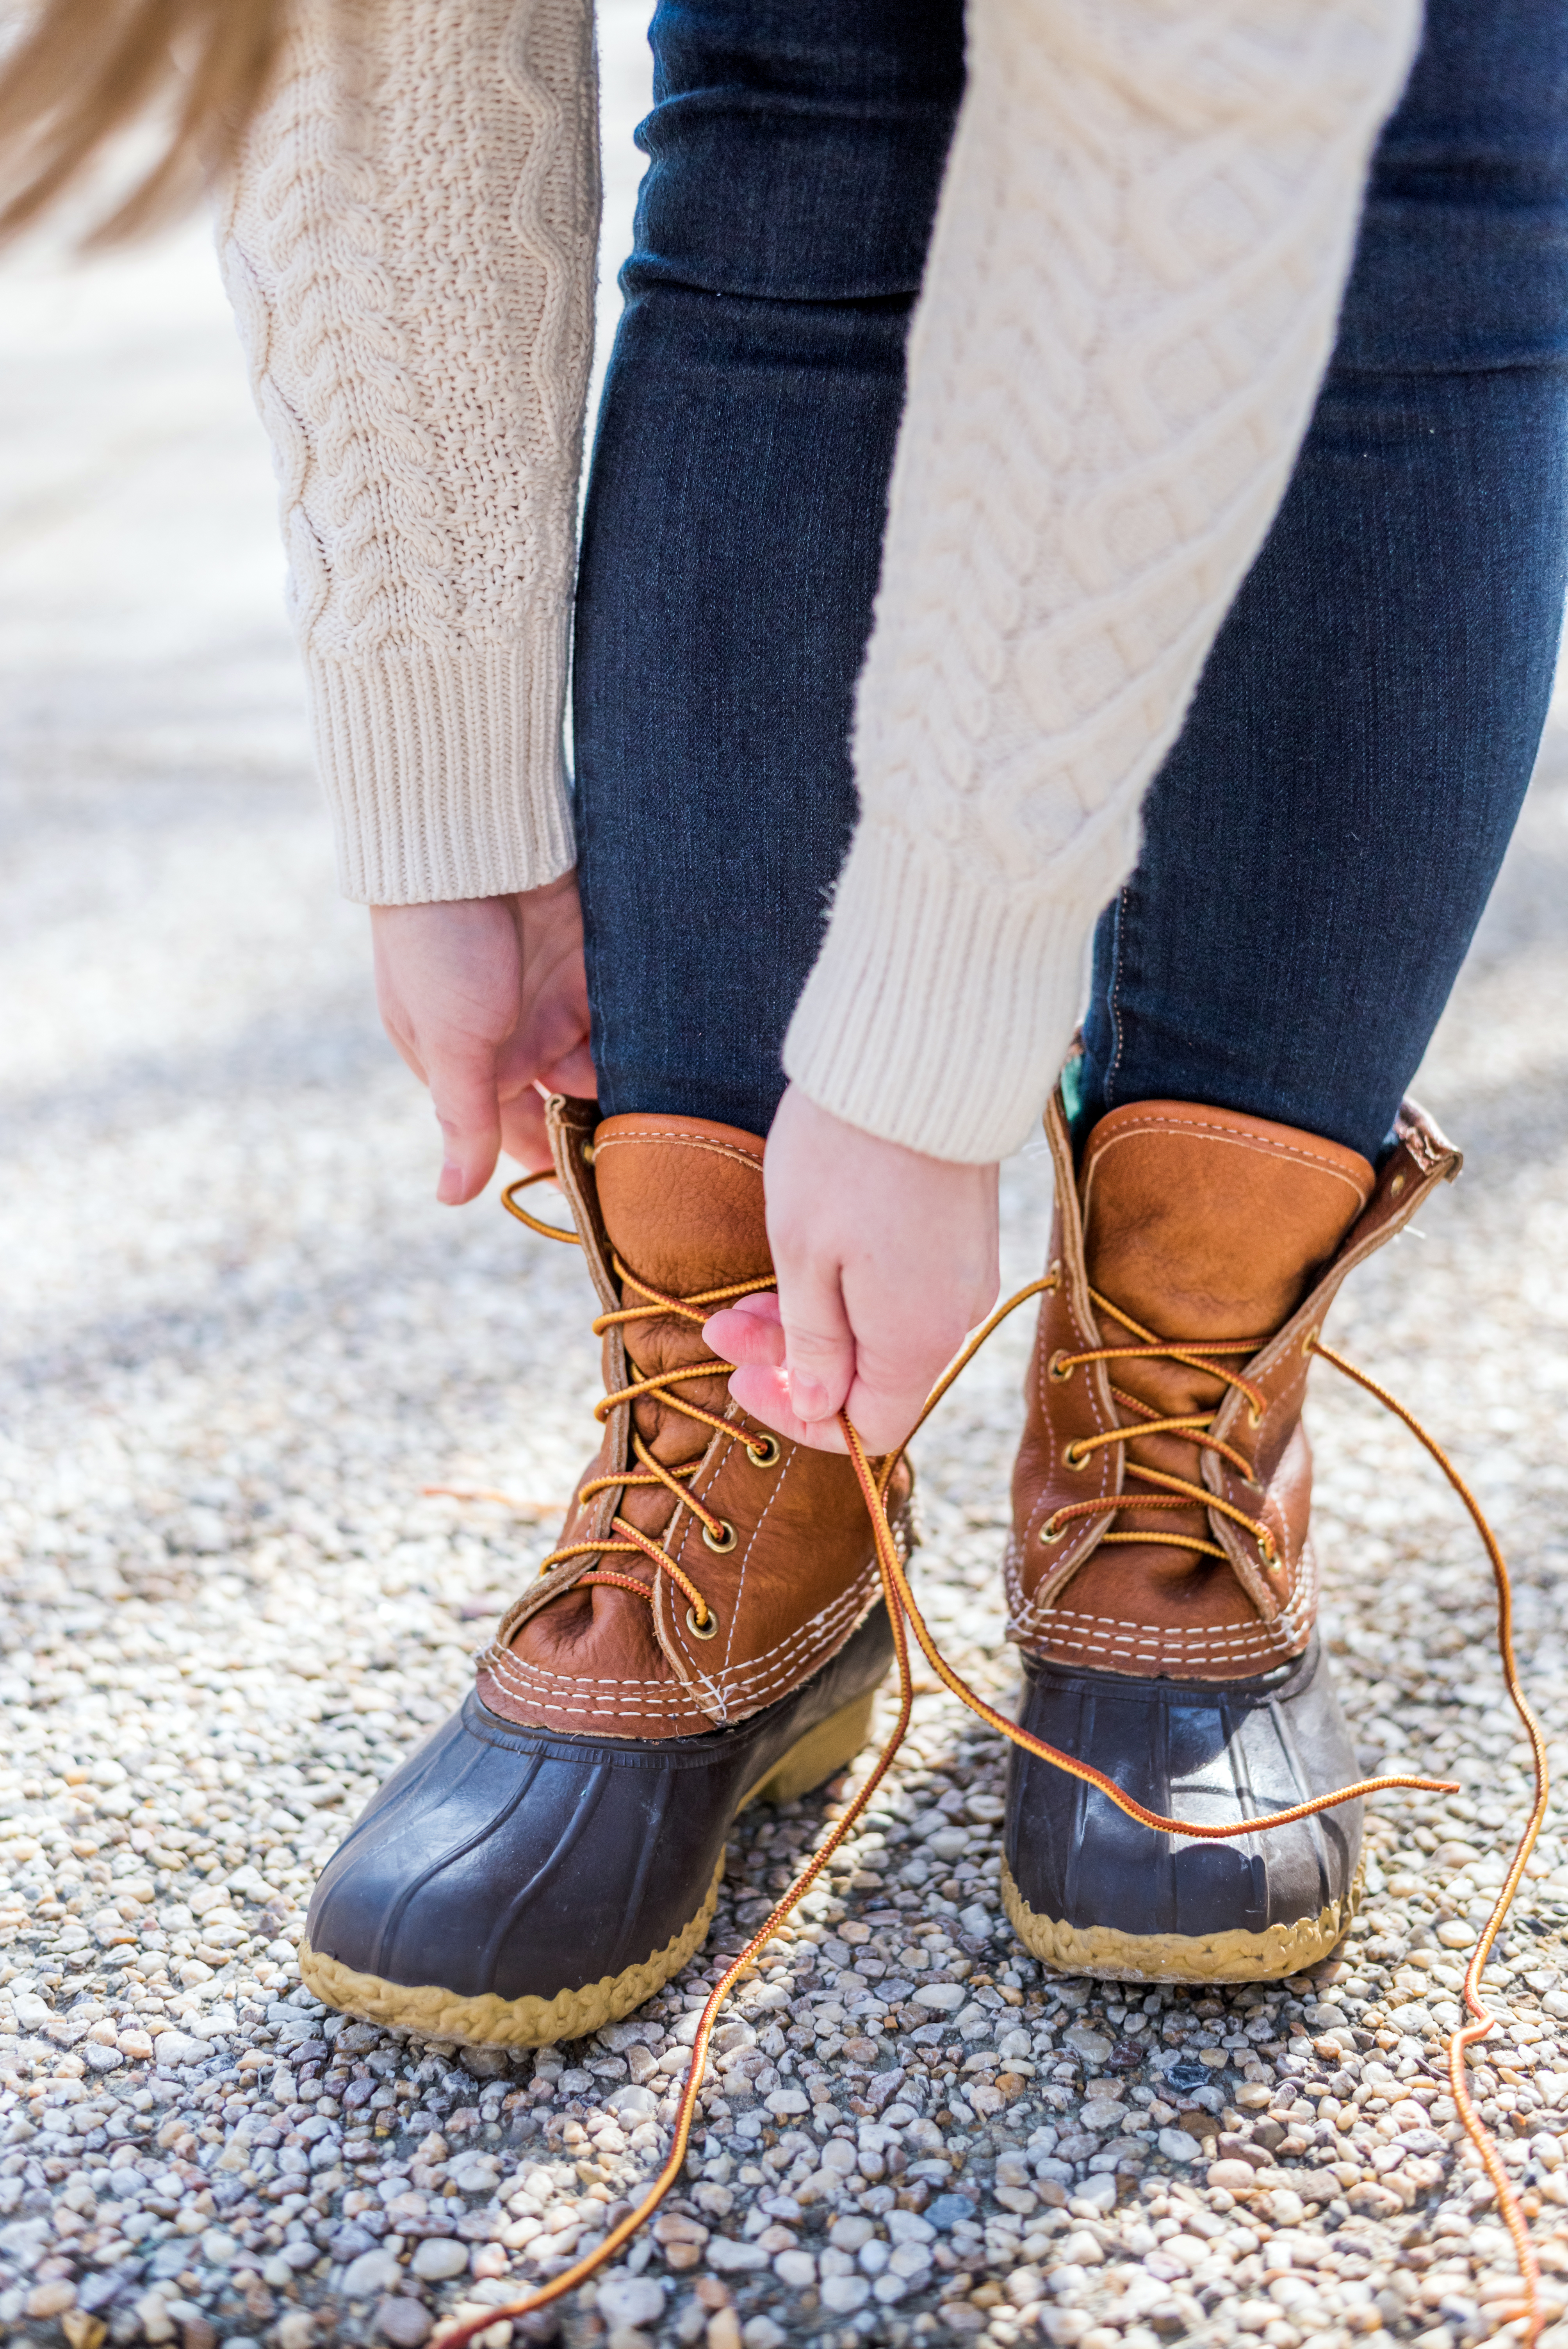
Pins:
<point x="1114" y="1001"/>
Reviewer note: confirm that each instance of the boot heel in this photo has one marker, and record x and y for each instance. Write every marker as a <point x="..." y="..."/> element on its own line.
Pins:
<point x="818" y="1754"/>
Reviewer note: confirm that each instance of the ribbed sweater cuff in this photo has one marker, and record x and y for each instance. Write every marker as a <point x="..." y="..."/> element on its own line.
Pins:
<point x="940" y="1010"/>
<point x="443" y="769"/>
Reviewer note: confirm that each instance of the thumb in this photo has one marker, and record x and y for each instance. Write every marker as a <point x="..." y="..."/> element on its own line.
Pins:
<point x="464" y="1093"/>
<point x="819" y="1344"/>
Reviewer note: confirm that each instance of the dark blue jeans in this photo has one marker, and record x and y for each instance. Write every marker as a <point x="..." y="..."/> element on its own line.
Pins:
<point x="1320" y="843"/>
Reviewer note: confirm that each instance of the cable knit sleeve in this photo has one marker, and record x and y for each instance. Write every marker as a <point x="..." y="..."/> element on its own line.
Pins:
<point x="410" y="247"/>
<point x="1147" y="220"/>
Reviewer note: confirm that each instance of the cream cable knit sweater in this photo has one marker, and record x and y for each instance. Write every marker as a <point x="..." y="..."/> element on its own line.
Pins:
<point x="1143" y="234"/>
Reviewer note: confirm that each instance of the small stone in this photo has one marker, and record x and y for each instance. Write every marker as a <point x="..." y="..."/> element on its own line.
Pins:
<point x="1081" y="2249"/>
<point x="796" y="2269"/>
<point x="1235" y="2177"/>
<point x="762" y="2333"/>
<point x="842" y="2294"/>
<point x="174" y="2048"/>
<point x="849" y="2233"/>
<point x="437" y="2258"/>
<point x="82" y="2329"/>
<point x="942" y="1998"/>
<point x="1176" y="2145"/>
<point x="723" y="2329"/>
<point x="949" y="2210"/>
<point x="731" y="2257"/>
<point x="403" y="2321"/>
<point x="474" y="2173"/>
<point x="635" y="2300"/>
<point x="51" y="2299"/>
<point x="371" y="2274"/>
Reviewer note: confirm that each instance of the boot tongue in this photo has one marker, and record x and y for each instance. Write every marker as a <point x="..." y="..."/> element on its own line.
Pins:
<point x="1205" y="1224"/>
<point x="682" y="1204"/>
<point x="1200" y="1223"/>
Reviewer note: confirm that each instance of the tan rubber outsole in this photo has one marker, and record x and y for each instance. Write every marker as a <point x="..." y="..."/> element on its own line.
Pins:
<point x="1180" y="1957"/>
<point x="491" y="2022"/>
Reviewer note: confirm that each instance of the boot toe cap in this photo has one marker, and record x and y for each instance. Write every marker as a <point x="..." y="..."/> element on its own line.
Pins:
<point x="511" y="1869"/>
<point x="1091" y="1889"/>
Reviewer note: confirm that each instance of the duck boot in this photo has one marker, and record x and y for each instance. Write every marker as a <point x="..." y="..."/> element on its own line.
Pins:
<point x="709" y="1628"/>
<point x="1160" y="1578"/>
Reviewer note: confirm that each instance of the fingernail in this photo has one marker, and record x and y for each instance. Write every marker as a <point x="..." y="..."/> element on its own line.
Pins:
<point x="808" y="1396"/>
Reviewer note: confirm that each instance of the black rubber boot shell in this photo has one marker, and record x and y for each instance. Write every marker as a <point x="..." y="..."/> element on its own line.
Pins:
<point x="514" y="1885"/>
<point x="1090" y="1891"/>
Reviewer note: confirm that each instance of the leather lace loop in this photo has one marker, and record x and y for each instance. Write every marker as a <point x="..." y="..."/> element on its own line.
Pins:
<point x="903" y="1616"/>
<point x="628" y="1539"/>
<point x="1175" y="1492"/>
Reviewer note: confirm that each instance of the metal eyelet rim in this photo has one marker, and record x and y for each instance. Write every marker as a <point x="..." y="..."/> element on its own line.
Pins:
<point x="708" y="1630"/>
<point x="765" y="1452"/>
<point x="585" y="1152"/>
<point x="1079" y="1464"/>
<point x="723" y="1546"/>
<point x="1051" y="1532"/>
<point x="1054" y="1369"/>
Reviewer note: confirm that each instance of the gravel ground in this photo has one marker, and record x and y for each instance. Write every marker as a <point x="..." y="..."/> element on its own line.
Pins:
<point x="239" y="1341"/>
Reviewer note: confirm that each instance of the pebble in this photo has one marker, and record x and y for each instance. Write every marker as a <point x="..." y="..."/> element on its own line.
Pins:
<point x="228" y="1607"/>
<point x="437" y="2262"/>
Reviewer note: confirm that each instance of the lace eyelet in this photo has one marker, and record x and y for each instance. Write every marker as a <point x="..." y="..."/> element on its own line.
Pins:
<point x="764" y="1452"/>
<point x="724" y="1544"/>
<point x="585" y="1152"/>
<point x="708" y="1630"/>
<point x="1051" y="1532"/>
<point x="1309" y="1340"/>
<point x="1077" y="1459"/>
<point x="1054" y="1368"/>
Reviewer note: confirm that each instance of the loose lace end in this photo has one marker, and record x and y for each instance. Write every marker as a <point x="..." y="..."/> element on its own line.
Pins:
<point x="902" y="1616"/>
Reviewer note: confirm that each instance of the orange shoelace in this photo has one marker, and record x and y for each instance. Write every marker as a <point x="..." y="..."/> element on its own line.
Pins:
<point x="1175" y="1492"/>
<point x="761" y="1450"/>
<point x="904" y="1616"/>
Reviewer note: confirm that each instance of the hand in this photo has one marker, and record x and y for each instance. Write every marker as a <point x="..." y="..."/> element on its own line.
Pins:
<point x="885" y="1260"/>
<point x="486" y="999"/>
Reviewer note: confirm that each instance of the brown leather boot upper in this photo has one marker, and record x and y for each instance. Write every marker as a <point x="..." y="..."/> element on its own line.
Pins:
<point x="674" y="1205"/>
<point x="1187" y="1224"/>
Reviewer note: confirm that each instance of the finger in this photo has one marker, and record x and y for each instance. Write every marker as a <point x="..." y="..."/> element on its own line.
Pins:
<point x="884" y="1417"/>
<point x="524" y="1133"/>
<point x="764" y="1395"/>
<point x="819" y="1343"/>
<point x="463" y="1091"/>
<point x="574" y="1074"/>
<point x="744" y="1335"/>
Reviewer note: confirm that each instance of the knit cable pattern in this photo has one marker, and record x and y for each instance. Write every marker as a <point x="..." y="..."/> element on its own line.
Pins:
<point x="410" y="247"/>
<point x="1146" y="224"/>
